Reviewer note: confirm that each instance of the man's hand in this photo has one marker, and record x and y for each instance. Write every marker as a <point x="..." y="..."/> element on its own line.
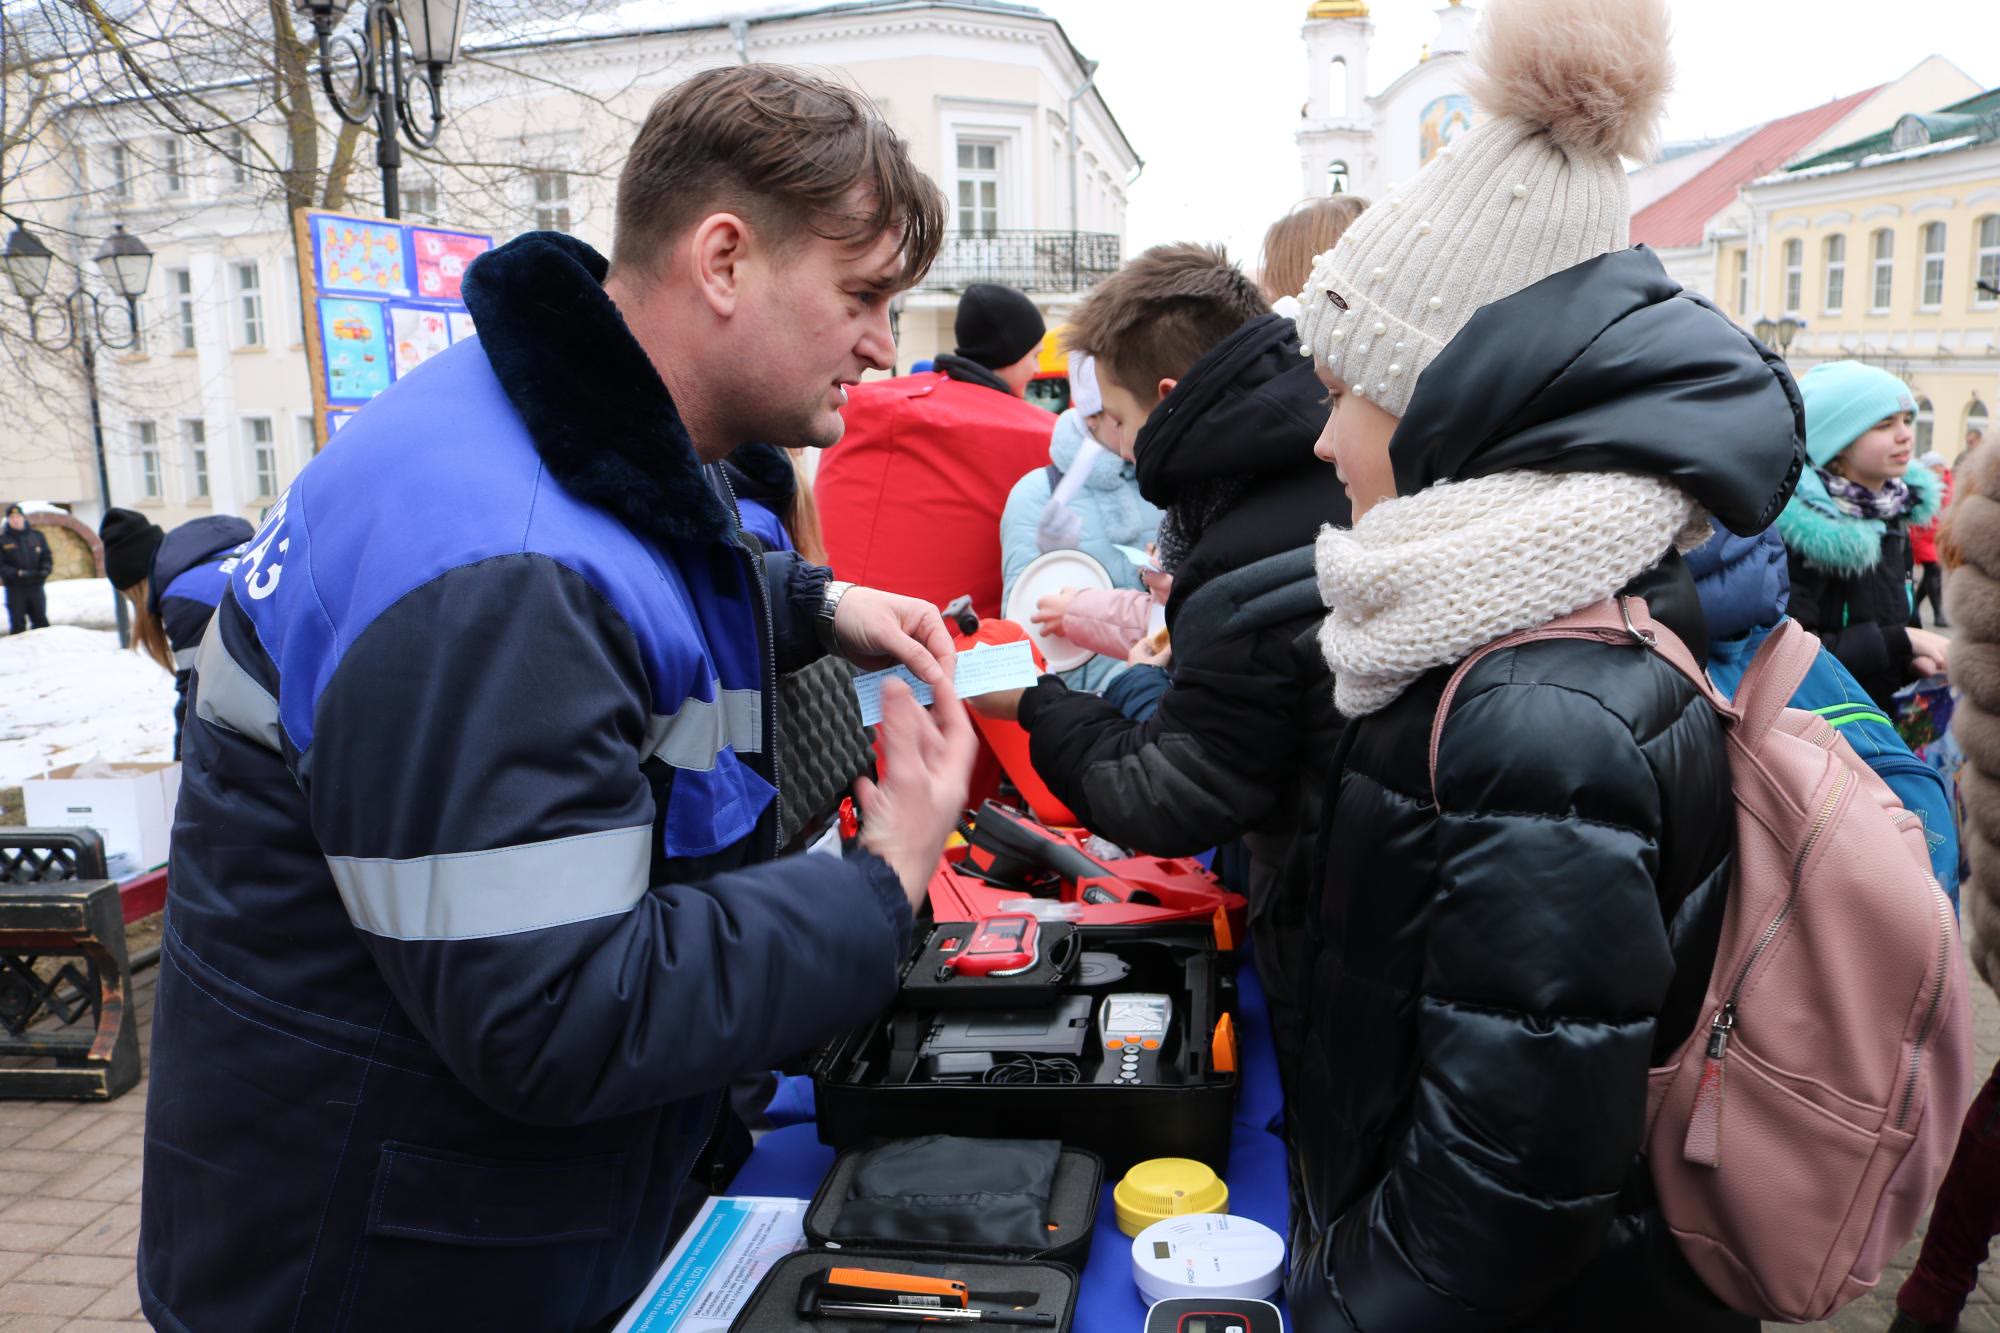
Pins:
<point x="877" y="629"/>
<point x="926" y="764"/>
<point x="1049" y="611"/>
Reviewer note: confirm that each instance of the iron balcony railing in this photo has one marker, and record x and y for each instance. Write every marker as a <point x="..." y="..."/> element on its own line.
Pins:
<point x="1036" y="261"/>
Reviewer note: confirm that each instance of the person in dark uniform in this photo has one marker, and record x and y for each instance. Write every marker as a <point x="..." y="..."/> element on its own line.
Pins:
<point x="25" y="562"/>
<point x="173" y="580"/>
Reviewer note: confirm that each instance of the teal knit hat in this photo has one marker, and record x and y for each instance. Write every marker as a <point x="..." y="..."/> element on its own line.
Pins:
<point x="1843" y="400"/>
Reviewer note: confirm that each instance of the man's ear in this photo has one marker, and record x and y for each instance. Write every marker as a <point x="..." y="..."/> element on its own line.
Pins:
<point x="1166" y="387"/>
<point x="719" y="247"/>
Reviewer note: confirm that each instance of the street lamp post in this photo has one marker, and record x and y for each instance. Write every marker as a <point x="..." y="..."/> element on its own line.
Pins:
<point x="381" y="83"/>
<point x="1779" y="333"/>
<point x="80" y="323"/>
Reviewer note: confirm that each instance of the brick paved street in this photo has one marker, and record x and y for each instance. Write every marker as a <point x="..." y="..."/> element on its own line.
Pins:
<point x="69" y="1205"/>
<point x="69" y="1211"/>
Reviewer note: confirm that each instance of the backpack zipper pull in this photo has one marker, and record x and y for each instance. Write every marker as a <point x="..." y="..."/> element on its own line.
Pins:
<point x="1704" y="1136"/>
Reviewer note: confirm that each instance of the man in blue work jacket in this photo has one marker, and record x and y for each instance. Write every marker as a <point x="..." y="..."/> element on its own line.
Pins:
<point x="474" y="907"/>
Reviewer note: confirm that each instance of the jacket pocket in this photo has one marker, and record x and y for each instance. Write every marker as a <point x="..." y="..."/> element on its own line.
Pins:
<point x="479" y="1242"/>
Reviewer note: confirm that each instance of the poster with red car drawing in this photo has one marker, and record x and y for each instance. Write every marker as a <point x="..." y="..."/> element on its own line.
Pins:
<point x="442" y="258"/>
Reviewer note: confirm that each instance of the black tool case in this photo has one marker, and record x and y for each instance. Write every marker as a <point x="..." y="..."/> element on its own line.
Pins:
<point x="1049" y="1275"/>
<point x="866" y="1089"/>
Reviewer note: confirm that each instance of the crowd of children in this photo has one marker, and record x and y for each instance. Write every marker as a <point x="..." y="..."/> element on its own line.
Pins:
<point x="1523" y="417"/>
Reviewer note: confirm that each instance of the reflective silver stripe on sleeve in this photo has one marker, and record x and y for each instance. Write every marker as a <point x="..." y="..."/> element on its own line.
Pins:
<point x="184" y="658"/>
<point x="230" y="697"/>
<point x="692" y="737"/>
<point x="476" y="895"/>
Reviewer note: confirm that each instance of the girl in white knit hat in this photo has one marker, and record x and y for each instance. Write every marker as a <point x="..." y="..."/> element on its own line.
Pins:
<point x="1529" y="418"/>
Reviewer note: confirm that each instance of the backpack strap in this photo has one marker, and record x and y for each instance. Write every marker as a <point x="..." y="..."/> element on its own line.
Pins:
<point x="1613" y="620"/>
<point x="1773" y="678"/>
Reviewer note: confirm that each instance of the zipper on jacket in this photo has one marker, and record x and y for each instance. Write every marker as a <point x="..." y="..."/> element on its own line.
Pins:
<point x="770" y="705"/>
<point x="1937" y="998"/>
<point x="1703" y="1144"/>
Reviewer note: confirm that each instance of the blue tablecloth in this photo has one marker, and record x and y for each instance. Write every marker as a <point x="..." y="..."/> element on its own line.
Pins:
<point x="790" y="1163"/>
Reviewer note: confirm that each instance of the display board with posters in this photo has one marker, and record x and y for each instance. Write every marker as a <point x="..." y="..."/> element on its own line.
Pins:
<point x="386" y="297"/>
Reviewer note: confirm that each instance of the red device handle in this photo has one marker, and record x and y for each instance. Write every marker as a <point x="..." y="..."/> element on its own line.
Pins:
<point x="1000" y="946"/>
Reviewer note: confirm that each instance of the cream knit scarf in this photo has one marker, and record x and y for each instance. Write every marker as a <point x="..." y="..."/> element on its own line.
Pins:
<point x="1425" y="579"/>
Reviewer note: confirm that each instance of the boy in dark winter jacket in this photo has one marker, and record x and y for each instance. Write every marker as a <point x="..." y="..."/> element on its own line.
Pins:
<point x="1847" y="530"/>
<point x="1226" y="412"/>
<point x="1520" y="902"/>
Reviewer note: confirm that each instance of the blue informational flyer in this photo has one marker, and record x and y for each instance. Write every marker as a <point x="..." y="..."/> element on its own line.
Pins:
<point x="718" y="1262"/>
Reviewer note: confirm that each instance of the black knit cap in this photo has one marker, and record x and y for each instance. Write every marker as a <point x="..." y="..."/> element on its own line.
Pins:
<point x="996" y="325"/>
<point x="130" y="542"/>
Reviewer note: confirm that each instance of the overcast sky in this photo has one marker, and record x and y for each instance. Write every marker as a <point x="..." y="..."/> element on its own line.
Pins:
<point x="1209" y="91"/>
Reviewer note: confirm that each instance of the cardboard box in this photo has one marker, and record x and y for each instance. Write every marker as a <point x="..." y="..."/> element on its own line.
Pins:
<point x="132" y="810"/>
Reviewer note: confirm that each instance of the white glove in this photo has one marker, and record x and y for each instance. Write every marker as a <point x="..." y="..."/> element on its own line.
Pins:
<point x="1060" y="528"/>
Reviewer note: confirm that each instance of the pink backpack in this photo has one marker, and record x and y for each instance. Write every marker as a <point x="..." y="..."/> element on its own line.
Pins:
<point x="1797" y="1136"/>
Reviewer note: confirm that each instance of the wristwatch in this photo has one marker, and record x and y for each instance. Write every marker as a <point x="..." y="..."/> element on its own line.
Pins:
<point x="829" y="603"/>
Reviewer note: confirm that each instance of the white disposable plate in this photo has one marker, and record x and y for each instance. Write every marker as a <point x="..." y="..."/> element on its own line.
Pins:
<point x="1051" y="573"/>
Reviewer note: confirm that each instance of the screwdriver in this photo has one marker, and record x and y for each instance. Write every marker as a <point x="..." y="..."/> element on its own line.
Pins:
<point x="947" y="1314"/>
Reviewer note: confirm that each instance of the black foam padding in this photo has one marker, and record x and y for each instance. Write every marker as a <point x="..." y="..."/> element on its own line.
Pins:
<point x="1096" y="969"/>
<point x="822" y="745"/>
<point x="1043" y="984"/>
<point x="774" y="1306"/>
<point x="1073" y="1198"/>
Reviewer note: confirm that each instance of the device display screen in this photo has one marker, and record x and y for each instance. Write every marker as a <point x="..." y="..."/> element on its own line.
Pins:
<point x="1203" y="1323"/>
<point x="1003" y="932"/>
<point x="1126" y="1014"/>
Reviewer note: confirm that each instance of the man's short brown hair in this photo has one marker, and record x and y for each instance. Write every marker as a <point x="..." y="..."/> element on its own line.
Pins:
<point x="788" y="152"/>
<point x="1161" y="313"/>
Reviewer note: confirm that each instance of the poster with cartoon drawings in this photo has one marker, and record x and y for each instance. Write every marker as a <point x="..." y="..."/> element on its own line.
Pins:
<point x="442" y="258"/>
<point x="356" y="349"/>
<point x="355" y="255"/>
<point x="462" y="326"/>
<point x="418" y="333"/>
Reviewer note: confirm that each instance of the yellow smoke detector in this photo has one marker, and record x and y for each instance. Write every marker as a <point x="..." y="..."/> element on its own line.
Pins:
<point x="1167" y="1187"/>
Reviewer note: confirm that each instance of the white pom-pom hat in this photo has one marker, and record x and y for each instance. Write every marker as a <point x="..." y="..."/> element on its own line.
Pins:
<point x="1572" y="87"/>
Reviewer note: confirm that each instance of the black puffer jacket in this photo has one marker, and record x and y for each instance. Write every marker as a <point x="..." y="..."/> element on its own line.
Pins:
<point x="1239" y="741"/>
<point x="1492" y="981"/>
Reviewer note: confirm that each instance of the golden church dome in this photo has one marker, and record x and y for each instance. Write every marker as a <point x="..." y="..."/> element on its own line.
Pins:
<point x="1337" y="9"/>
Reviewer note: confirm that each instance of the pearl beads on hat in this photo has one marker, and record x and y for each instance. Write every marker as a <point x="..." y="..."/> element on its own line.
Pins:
<point x="1379" y="273"/>
<point x="1382" y="388"/>
<point x="1338" y="334"/>
<point x="1424" y="228"/>
<point x="1380" y="328"/>
<point x="1520" y="192"/>
<point x="1437" y="303"/>
<point x="1395" y="367"/>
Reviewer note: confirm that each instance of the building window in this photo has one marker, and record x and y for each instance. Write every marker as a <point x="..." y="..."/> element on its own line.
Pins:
<point x="420" y="200"/>
<point x="1986" y="262"/>
<point x="195" y="434"/>
<point x="1975" y="422"/>
<point x="239" y="157"/>
<point x="1336" y="177"/>
<point x="146" y="439"/>
<point x="308" y="441"/>
<point x="1884" y="247"/>
<point x="172" y="168"/>
<point x="121" y="171"/>
<point x="1926" y="425"/>
<point x="1743" y="284"/>
<point x="180" y="301"/>
<point x="1836" y="273"/>
<point x="250" y="304"/>
<point x="1795" y="274"/>
<point x="978" y="188"/>
<point x="551" y="199"/>
<point x="1336" y="87"/>
<point x="263" y="455"/>
<point x="1933" y="292"/>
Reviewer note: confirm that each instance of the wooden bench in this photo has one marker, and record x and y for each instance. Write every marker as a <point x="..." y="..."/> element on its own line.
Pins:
<point x="66" y="1026"/>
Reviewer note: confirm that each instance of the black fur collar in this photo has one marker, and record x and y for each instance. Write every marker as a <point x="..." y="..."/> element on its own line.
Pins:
<point x="970" y="372"/>
<point x="599" y="414"/>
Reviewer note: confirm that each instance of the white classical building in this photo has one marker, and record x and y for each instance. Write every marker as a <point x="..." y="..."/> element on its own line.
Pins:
<point x="213" y="414"/>
<point x="1353" y="142"/>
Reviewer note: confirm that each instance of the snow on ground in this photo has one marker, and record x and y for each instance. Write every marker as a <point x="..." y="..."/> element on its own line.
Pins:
<point x="85" y="602"/>
<point x="68" y="692"/>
